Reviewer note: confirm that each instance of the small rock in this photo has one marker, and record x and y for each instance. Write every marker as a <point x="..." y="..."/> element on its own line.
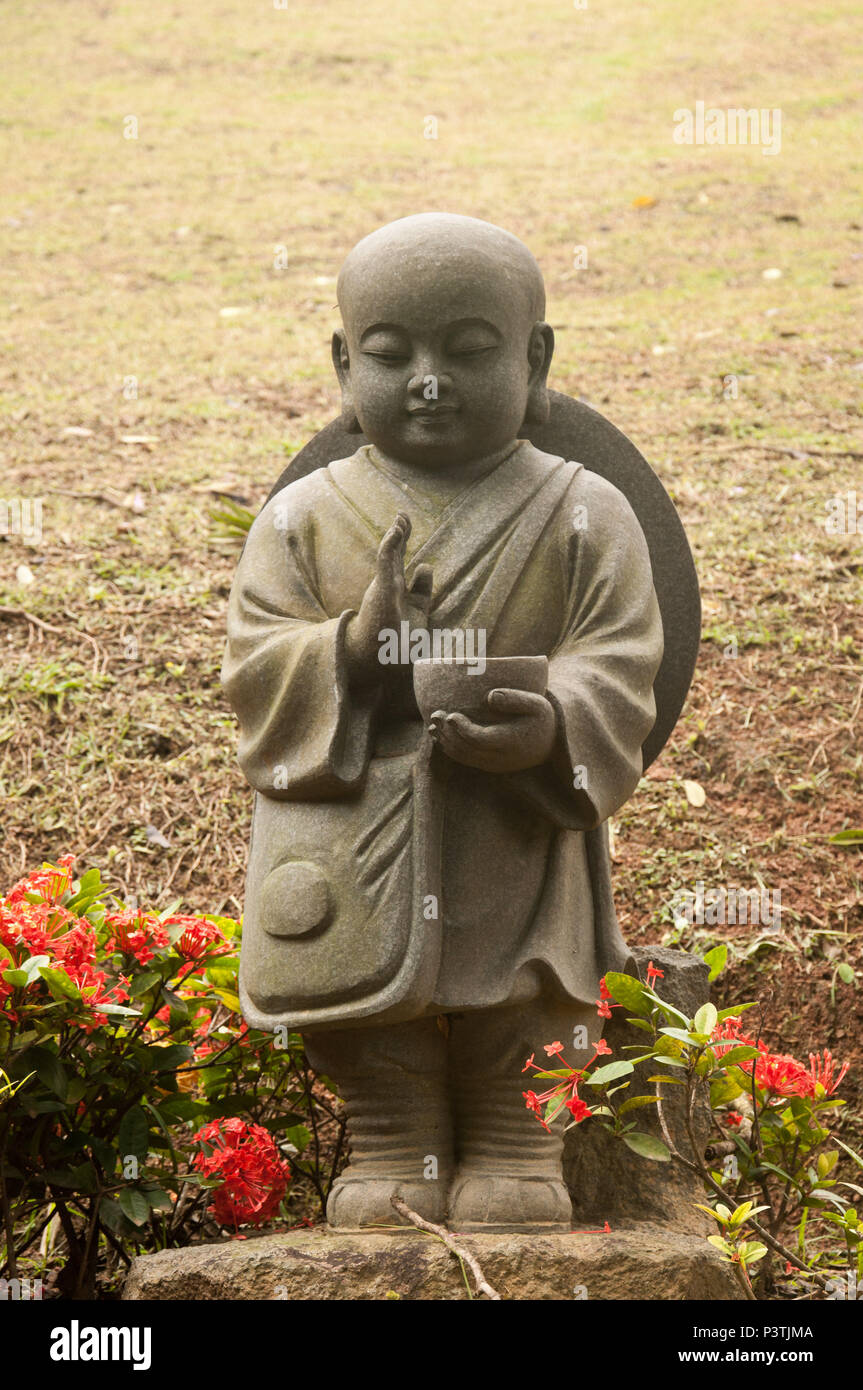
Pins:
<point x="695" y="793"/>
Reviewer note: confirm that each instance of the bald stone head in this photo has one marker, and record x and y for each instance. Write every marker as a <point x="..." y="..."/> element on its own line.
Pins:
<point x="444" y="352"/>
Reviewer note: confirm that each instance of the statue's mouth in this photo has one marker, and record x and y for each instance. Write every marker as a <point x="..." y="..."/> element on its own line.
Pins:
<point x="431" y="412"/>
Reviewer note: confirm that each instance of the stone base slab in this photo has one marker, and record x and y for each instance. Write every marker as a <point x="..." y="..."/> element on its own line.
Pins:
<point x="641" y="1261"/>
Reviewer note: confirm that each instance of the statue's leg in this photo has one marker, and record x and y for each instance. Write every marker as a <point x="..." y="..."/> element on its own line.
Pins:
<point x="393" y="1082"/>
<point x="508" y="1174"/>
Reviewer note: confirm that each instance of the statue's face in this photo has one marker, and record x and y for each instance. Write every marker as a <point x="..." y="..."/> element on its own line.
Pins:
<point x="439" y="362"/>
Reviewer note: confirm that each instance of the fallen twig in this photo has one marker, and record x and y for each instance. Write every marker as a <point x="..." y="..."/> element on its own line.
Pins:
<point x="482" y="1284"/>
<point x="49" y="627"/>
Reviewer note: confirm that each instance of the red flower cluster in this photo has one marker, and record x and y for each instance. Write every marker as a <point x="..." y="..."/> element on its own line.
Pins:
<point x="255" y="1178"/>
<point x="777" y="1073"/>
<point x="33" y="922"/>
<point x="197" y="937"/>
<point x="575" y="1105"/>
<point x="138" y="934"/>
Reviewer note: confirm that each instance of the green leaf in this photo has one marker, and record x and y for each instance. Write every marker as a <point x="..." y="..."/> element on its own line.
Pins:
<point x="637" y="1102"/>
<point x="716" y="960"/>
<point x="847" y="837"/>
<point x="169" y="1058"/>
<point x="610" y="1073"/>
<point x="33" y="965"/>
<point x="671" y="1013"/>
<point x="826" y="1162"/>
<point x="554" y="1107"/>
<point x="736" y="1010"/>
<point x="717" y="1216"/>
<point x="724" y="1090"/>
<point x="299" y="1136"/>
<point x="16" y="978"/>
<point x="626" y="990"/>
<point x="781" y="1173"/>
<point x="59" y="984"/>
<point x="846" y="973"/>
<point x="671" y="1061"/>
<point x="853" y="1154"/>
<point x="111" y="1215"/>
<point x="49" y="1069"/>
<point x="134" y="1205"/>
<point x="134" y="1133"/>
<point x="647" y="1145"/>
<point x="751" y="1251"/>
<point x="158" y="1199"/>
<point x="720" y="1245"/>
<point x="230" y="1000"/>
<point x="741" y="1053"/>
<point x="144" y="981"/>
<point x="83" y="1178"/>
<point x="706" y="1019"/>
<point x="639" y="1023"/>
<point x="681" y="1035"/>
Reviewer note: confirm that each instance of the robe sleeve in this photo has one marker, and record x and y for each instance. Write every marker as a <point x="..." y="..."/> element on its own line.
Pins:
<point x="602" y="669"/>
<point x="303" y="733"/>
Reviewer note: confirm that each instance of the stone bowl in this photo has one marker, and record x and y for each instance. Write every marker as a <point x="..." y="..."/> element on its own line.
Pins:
<point x="459" y="686"/>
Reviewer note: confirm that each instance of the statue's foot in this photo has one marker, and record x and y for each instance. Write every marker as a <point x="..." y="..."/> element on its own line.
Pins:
<point x="493" y="1202"/>
<point x="355" y="1204"/>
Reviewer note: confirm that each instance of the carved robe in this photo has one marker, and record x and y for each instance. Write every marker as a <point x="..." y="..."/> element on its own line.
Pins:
<point x="387" y="881"/>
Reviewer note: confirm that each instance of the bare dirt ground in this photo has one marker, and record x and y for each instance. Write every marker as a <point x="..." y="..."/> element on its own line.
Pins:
<point x="180" y="186"/>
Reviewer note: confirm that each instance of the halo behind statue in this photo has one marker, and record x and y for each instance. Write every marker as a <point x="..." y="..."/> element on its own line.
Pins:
<point x="575" y="431"/>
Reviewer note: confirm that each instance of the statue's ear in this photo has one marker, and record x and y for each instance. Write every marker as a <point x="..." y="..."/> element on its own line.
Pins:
<point x="540" y="352"/>
<point x="341" y="362"/>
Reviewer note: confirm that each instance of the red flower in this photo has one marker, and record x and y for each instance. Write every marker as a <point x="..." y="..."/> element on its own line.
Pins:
<point x="534" y="1103"/>
<point x="728" y="1034"/>
<point x="603" y="1008"/>
<point x="732" y="1118"/>
<point x="604" y="991"/>
<point x="578" y="1110"/>
<point x="50" y="882"/>
<point x="139" y="934"/>
<point x="197" y="937"/>
<point x="653" y="974"/>
<point x="553" y="1049"/>
<point x="530" y="1062"/>
<point x="821" y="1068"/>
<point x="254" y="1175"/>
<point x="601" y="1049"/>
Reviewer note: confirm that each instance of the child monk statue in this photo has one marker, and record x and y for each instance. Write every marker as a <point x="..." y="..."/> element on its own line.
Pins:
<point x="429" y="898"/>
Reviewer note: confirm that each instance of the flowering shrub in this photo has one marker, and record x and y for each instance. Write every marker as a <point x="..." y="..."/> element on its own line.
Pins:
<point x="778" y="1171"/>
<point x="120" y="1033"/>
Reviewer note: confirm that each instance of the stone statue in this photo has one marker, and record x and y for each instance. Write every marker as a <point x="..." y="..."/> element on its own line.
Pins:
<point x="443" y="652"/>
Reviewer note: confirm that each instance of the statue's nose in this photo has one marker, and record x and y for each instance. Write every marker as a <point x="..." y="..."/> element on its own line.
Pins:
<point x="425" y="376"/>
